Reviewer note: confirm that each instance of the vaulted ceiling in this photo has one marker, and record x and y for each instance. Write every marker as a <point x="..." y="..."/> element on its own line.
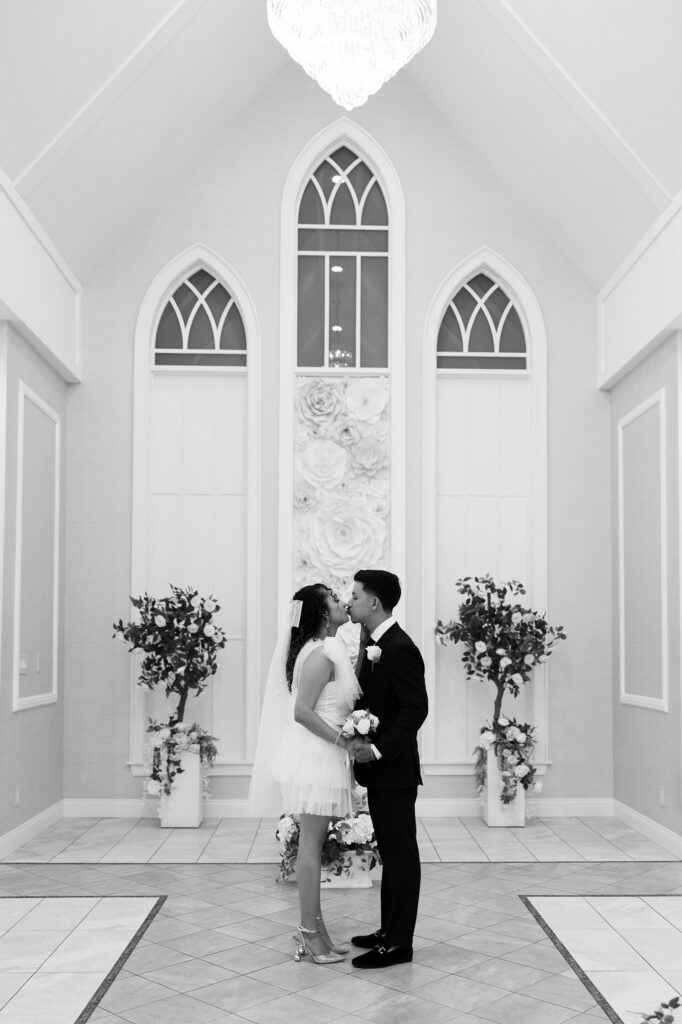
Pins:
<point x="575" y="106"/>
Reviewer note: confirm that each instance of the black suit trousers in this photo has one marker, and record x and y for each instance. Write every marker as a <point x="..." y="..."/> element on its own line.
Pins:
<point x="395" y="827"/>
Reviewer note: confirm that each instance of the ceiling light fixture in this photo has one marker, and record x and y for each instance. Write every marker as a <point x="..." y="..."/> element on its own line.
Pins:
<point x="351" y="47"/>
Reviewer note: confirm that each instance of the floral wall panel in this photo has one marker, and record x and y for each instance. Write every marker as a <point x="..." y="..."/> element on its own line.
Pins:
<point x="341" y="478"/>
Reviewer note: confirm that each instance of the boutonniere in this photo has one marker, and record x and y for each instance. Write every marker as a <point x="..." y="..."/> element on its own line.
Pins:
<point x="373" y="653"/>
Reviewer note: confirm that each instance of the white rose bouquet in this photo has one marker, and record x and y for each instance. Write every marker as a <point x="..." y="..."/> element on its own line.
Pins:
<point x="360" y="724"/>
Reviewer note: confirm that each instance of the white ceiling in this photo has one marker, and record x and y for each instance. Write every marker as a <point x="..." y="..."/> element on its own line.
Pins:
<point x="573" y="104"/>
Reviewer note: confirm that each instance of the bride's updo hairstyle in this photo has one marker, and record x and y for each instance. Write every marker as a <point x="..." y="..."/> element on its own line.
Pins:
<point x="314" y="615"/>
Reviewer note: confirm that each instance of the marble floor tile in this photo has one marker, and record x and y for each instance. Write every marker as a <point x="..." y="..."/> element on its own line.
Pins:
<point x="58" y="998"/>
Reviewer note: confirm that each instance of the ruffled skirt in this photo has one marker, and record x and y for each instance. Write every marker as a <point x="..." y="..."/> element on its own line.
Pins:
<point x="314" y="774"/>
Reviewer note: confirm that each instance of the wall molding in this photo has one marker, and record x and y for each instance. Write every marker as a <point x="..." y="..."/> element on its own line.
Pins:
<point x="340" y="132"/>
<point x="28" y="830"/>
<point x="487" y="260"/>
<point x="659" y="834"/>
<point x="20" y="703"/>
<point x="658" y="398"/>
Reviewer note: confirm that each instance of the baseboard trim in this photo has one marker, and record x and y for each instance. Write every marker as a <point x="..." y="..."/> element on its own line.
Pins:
<point x="28" y="830"/>
<point x="137" y="808"/>
<point x="538" y="807"/>
<point x="659" y="834"/>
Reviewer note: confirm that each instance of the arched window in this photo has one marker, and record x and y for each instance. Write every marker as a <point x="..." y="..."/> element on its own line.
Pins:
<point x="196" y="498"/>
<point x="342" y="266"/>
<point x="200" y="326"/>
<point x="481" y="329"/>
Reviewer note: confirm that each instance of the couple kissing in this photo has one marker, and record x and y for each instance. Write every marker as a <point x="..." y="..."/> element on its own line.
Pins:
<point x="305" y="758"/>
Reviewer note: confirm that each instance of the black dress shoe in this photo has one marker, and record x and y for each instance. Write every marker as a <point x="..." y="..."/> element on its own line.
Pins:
<point x="368" y="941"/>
<point x="380" y="956"/>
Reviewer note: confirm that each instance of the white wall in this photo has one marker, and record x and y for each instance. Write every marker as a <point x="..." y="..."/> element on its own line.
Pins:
<point x="230" y="200"/>
<point x="31" y="751"/>
<point x="647" y="739"/>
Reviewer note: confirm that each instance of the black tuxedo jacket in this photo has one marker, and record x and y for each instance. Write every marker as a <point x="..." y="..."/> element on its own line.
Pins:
<point x="394" y="690"/>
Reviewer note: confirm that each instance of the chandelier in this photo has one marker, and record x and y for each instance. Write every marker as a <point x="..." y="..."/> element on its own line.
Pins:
<point x="351" y="47"/>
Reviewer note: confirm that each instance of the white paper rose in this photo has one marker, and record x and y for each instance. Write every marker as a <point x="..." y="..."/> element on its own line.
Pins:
<point x="152" y="787"/>
<point x="487" y="739"/>
<point x="486" y="662"/>
<point x="504" y="662"/>
<point x="370" y="458"/>
<point x="503" y="722"/>
<point x="529" y="659"/>
<point x="480" y="647"/>
<point x="159" y="621"/>
<point x="345" y="533"/>
<point x="164" y="734"/>
<point x="344" y="432"/>
<point x="210" y="606"/>
<point x="196" y="601"/>
<point x="193" y="628"/>
<point x="304" y="500"/>
<point x="363" y="726"/>
<point x="209" y="630"/>
<point x="366" y="400"/>
<point x="322" y="464"/>
<point x="348" y="729"/>
<point x="521" y="771"/>
<point x="318" y="401"/>
<point x="517" y="678"/>
<point x="516" y="618"/>
<point x="521" y="738"/>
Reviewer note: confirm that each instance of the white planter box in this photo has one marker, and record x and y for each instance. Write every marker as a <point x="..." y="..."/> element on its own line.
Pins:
<point x="495" y="813"/>
<point x="184" y="806"/>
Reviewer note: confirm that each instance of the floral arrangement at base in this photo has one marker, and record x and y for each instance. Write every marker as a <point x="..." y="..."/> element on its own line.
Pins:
<point x="345" y="837"/>
<point x="513" y="745"/>
<point x="169" y="740"/>
<point x="663" y="1014"/>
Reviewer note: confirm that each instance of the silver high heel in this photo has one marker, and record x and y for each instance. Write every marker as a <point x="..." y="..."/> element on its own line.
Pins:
<point x="302" y="948"/>
<point x="322" y="928"/>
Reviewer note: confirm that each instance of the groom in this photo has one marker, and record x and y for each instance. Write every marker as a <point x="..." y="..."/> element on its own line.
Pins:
<point x="391" y="676"/>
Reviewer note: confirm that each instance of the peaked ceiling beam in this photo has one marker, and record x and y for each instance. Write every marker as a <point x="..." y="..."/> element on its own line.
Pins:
<point x="569" y="90"/>
<point x="107" y="94"/>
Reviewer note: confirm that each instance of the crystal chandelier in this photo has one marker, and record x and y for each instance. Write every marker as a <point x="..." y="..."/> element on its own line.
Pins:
<point x="351" y="47"/>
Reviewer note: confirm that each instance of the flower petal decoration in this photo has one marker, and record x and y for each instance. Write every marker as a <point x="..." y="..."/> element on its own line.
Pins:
<point x="323" y="464"/>
<point x="345" y="533"/>
<point x="367" y="399"/>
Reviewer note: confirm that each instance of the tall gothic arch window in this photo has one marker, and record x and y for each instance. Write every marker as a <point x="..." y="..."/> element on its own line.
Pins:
<point x="342" y="426"/>
<point x="485" y="496"/>
<point x="196" y="474"/>
<point x="481" y="329"/>
<point x="200" y="326"/>
<point x="343" y="266"/>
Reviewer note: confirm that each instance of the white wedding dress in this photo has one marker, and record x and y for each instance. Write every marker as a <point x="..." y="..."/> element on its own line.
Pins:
<point x="314" y="774"/>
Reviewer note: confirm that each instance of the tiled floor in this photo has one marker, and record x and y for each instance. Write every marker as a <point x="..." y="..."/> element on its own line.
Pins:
<point x="628" y="947"/>
<point x="248" y="841"/>
<point x="220" y="948"/>
<point x="55" y="952"/>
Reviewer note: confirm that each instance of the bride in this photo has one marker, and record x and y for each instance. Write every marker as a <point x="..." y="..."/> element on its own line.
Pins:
<point x="302" y="765"/>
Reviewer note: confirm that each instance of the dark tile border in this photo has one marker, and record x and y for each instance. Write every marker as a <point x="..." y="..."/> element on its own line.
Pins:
<point x="97" y="996"/>
<point x="570" y="960"/>
<point x="95" y="999"/>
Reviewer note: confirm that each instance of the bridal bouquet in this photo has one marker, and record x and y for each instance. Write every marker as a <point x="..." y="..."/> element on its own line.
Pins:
<point x="360" y="724"/>
<point x="345" y="838"/>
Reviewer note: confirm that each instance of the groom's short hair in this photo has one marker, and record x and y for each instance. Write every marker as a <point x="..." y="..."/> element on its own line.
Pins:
<point x="383" y="584"/>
